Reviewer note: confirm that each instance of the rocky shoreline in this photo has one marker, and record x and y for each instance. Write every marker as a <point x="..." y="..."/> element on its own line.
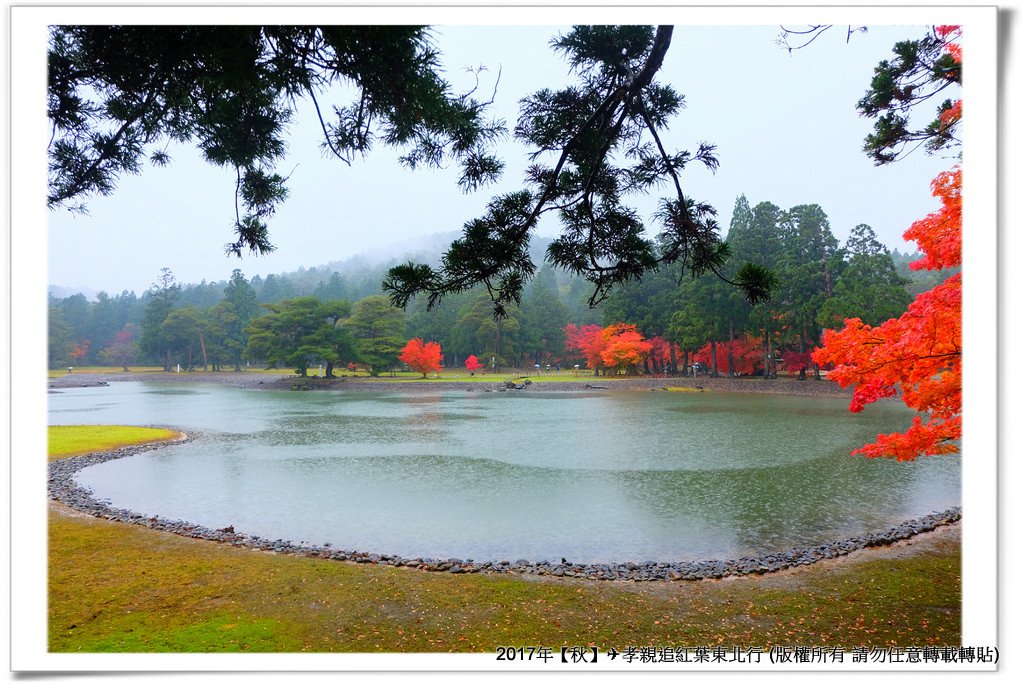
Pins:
<point x="583" y="383"/>
<point x="62" y="488"/>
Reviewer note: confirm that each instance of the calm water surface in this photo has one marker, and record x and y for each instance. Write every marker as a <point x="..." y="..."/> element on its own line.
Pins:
<point x="589" y="477"/>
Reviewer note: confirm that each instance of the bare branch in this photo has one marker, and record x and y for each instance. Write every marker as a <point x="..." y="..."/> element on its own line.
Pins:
<point x="813" y="32"/>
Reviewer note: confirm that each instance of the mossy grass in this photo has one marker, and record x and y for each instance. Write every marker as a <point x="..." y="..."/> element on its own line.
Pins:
<point x="73" y="440"/>
<point x="118" y="588"/>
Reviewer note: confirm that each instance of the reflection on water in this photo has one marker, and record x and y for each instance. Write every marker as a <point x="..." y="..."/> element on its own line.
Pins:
<point x="593" y="478"/>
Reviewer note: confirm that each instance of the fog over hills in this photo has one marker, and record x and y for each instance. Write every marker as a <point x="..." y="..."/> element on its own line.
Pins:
<point x="368" y="265"/>
<point x="62" y="291"/>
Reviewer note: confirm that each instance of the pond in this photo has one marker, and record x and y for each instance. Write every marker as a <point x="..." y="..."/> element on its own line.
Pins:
<point x="592" y="477"/>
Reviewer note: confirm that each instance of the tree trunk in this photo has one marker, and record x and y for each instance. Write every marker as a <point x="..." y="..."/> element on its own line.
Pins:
<point x="767" y="353"/>
<point x="828" y="276"/>
<point x="202" y="347"/>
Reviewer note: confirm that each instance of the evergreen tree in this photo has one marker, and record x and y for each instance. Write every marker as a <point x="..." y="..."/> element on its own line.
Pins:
<point x="162" y="296"/>
<point x="544" y="318"/>
<point x="300" y="332"/>
<point x="105" y="321"/>
<point x="379" y="332"/>
<point x="810" y="263"/>
<point x="202" y="295"/>
<point x="705" y="313"/>
<point x="438" y="323"/>
<point x="182" y="335"/>
<point x="76" y="314"/>
<point x="761" y="241"/>
<point x="477" y="331"/>
<point x="275" y="289"/>
<point x="333" y="288"/>
<point x="59" y="338"/>
<point x="223" y="338"/>
<point x="920" y="70"/>
<point x="870" y="288"/>
<point x="241" y="296"/>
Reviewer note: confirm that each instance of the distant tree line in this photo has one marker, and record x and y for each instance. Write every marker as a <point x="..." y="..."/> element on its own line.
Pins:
<point x="314" y="318"/>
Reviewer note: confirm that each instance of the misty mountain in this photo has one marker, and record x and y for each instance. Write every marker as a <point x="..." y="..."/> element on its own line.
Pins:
<point x="362" y="273"/>
<point x="62" y="292"/>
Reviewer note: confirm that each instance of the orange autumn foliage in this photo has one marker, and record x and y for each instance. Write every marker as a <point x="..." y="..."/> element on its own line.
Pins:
<point x="619" y="345"/>
<point x="80" y="351"/>
<point x="624" y="346"/>
<point x="948" y="31"/>
<point x="938" y="234"/>
<point x="917" y="355"/>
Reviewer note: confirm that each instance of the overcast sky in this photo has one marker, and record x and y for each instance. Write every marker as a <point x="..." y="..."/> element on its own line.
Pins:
<point x="785" y="126"/>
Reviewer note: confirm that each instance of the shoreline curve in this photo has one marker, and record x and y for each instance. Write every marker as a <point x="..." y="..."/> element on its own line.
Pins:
<point x="62" y="488"/>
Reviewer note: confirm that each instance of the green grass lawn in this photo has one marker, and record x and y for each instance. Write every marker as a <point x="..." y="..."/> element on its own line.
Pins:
<point x="462" y="375"/>
<point x="446" y="375"/>
<point x="515" y="376"/>
<point x="93" y="370"/>
<point x="116" y="587"/>
<point x="72" y="440"/>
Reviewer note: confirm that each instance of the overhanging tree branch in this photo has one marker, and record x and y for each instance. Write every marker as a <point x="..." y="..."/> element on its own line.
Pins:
<point x="611" y="110"/>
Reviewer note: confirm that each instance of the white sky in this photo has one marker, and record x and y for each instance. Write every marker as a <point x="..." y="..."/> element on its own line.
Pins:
<point x="784" y="124"/>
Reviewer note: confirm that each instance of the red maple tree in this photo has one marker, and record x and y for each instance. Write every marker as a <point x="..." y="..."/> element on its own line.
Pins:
<point x="796" y="362"/>
<point x="662" y="354"/>
<point x="473" y="363"/>
<point x="422" y="358"/>
<point x="917" y="355"/>
<point x="80" y="351"/>
<point x="124" y="348"/>
<point x="747" y="354"/>
<point x="620" y="345"/>
<point x="588" y="341"/>
<point x="624" y="348"/>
